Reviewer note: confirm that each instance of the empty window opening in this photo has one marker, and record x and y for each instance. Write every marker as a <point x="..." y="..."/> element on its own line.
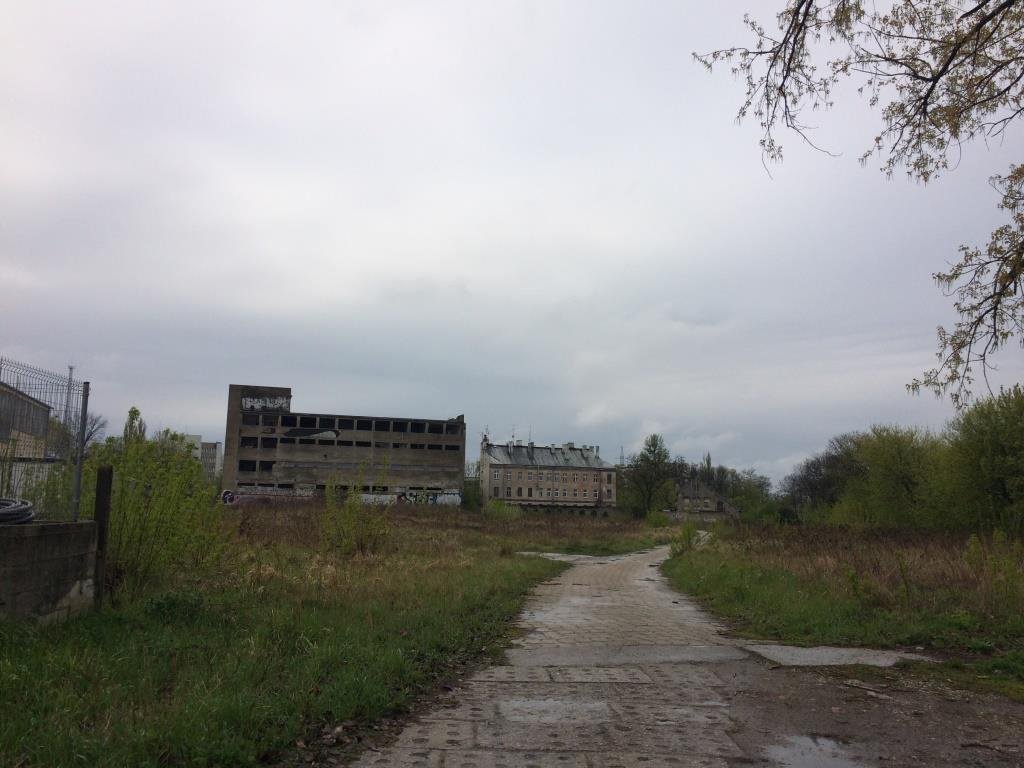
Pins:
<point x="286" y="486"/>
<point x="269" y="442"/>
<point x="248" y="442"/>
<point x="529" y="493"/>
<point x="362" y="443"/>
<point x="399" y="426"/>
<point x="519" y="491"/>
<point x="453" y="428"/>
<point x="246" y="465"/>
<point x="364" y="424"/>
<point x="494" y="491"/>
<point x="435" y="447"/>
<point x="265" y="485"/>
<point x="289" y="421"/>
<point x="419" y="427"/>
<point x="325" y="422"/>
<point x="269" y="420"/>
<point x="366" y="489"/>
<point x="396" y="446"/>
<point x="250" y="419"/>
<point x="508" y="491"/>
<point x="306" y="441"/>
<point x="380" y="489"/>
<point x="451" y="447"/>
<point x="267" y="466"/>
<point x="325" y="442"/>
<point x="307" y="421"/>
<point x="345" y="443"/>
<point x="382" y="426"/>
<point x="436" y="428"/>
<point x="246" y="485"/>
<point x="417" y="446"/>
<point x="382" y="445"/>
<point x="286" y="440"/>
<point x="346" y="424"/>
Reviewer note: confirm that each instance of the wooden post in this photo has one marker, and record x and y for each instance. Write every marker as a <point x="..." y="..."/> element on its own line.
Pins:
<point x="104" y="484"/>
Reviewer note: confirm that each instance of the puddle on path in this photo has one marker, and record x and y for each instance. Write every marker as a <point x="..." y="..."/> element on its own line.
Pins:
<point x="810" y="752"/>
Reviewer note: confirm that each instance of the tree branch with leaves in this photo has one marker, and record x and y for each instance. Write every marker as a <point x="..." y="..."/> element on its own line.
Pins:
<point x="944" y="73"/>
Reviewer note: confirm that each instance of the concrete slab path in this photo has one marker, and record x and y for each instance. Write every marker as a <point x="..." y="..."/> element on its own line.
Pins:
<point x="614" y="670"/>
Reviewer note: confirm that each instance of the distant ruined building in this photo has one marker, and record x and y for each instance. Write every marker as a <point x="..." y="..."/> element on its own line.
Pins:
<point x="271" y="450"/>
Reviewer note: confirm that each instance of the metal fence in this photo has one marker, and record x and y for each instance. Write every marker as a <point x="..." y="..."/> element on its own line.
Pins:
<point x="43" y="423"/>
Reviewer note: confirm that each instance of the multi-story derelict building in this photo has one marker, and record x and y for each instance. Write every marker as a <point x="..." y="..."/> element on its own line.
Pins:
<point x="271" y="450"/>
<point x="540" y="475"/>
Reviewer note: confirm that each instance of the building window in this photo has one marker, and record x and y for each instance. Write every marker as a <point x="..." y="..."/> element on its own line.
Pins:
<point x="307" y="422"/>
<point x="575" y="477"/>
<point x="435" y="447"/>
<point x="399" y="426"/>
<point x="529" y="475"/>
<point x="497" y="475"/>
<point x="250" y="419"/>
<point x="494" y="491"/>
<point x="382" y="426"/>
<point x="364" y="424"/>
<point x="286" y="441"/>
<point x="565" y="477"/>
<point x="266" y="466"/>
<point x="269" y="421"/>
<point x="529" y="493"/>
<point x="451" y="447"/>
<point x="346" y="424"/>
<point x="607" y="493"/>
<point x="586" y="494"/>
<point x="248" y="442"/>
<point x="519" y="475"/>
<point x="575" y="493"/>
<point x="608" y="477"/>
<point x="597" y="478"/>
<point x="549" y="493"/>
<point x="325" y="422"/>
<point x="565" y="492"/>
<point x="435" y="429"/>
<point x="508" y="475"/>
<point x="246" y="465"/>
<point x="289" y="421"/>
<point x="362" y="443"/>
<point x="270" y="442"/>
<point x="519" y="491"/>
<point x="508" y="491"/>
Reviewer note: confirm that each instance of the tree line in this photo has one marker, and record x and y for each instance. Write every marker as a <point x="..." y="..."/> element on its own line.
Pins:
<point x="968" y="477"/>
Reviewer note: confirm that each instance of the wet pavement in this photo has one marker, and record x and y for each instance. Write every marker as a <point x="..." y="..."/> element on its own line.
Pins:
<point x="614" y="669"/>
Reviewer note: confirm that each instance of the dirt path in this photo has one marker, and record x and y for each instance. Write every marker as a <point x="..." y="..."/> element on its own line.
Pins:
<point x="617" y="670"/>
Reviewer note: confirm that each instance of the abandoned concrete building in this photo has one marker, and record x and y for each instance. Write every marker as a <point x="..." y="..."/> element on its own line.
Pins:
<point x="546" y="476"/>
<point x="209" y="454"/>
<point x="268" y="449"/>
<point x="697" y="501"/>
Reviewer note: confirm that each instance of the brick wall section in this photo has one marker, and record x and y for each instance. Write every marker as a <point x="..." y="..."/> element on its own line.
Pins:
<point x="47" y="569"/>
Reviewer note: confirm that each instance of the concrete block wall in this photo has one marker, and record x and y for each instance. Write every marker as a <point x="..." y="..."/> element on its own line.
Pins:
<point x="47" y="569"/>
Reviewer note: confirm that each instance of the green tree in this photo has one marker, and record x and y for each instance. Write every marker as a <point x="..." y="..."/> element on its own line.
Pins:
<point x="647" y="478"/>
<point x="988" y="454"/>
<point x="944" y="72"/>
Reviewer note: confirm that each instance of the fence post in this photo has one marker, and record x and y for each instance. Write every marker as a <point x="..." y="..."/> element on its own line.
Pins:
<point x="76" y="483"/>
<point x="104" y="483"/>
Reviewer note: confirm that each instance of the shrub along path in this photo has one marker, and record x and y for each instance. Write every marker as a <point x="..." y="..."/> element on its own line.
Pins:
<point x="616" y="669"/>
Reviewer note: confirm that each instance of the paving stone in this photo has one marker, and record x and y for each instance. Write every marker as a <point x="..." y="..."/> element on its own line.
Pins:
<point x="399" y="758"/>
<point x="826" y="656"/>
<point x="645" y="760"/>
<point x="519" y="674"/>
<point x="554" y="711"/>
<point x="439" y="734"/>
<point x="564" y="655"/>
<point x="686" y="738"/>
<point x="598" y="675"/>
<point x="506" y="759"/>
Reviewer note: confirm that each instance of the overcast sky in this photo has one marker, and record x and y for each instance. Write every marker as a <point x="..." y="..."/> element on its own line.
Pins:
<point x="542" y="215"/>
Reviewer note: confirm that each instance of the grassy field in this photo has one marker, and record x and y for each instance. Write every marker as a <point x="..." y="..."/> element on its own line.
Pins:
<point x="960" y="598"/>
<point x="232" y="666"/>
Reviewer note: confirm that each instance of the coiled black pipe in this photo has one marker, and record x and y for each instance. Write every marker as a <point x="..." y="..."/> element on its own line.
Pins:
<point x="15" y="511"/>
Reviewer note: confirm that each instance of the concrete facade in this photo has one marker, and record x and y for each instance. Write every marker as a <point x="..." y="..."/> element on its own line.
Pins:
<point x="269" y="449"/>
<point x="47" y="570"/>
<point x="698" y="502"/>
<point x="546" y="476"/>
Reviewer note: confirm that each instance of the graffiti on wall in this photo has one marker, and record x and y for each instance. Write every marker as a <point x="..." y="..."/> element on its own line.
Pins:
<point x="266" y="402"/>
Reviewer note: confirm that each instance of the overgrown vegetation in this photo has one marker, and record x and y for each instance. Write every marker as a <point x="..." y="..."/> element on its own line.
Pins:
<point x="959" y="596"/>
<point x="238" y="630"/>
<point x="969" y="478"/>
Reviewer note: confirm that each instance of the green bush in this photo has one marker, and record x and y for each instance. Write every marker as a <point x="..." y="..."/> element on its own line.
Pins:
<point x="657" y="519"/>
<point x="686" y="540"/>
<point x="351" y="525"/>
